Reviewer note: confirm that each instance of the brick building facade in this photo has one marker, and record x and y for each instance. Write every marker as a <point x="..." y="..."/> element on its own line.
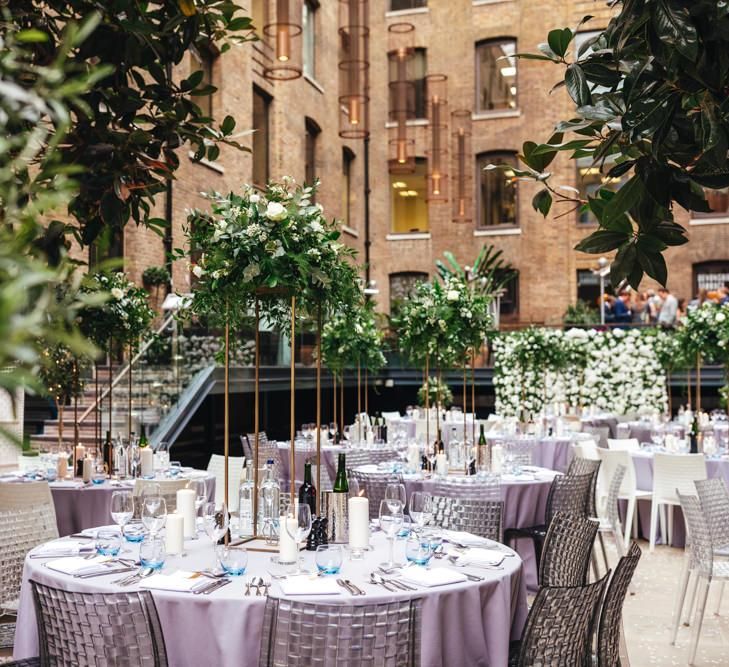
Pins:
<point x="297" y="125"/>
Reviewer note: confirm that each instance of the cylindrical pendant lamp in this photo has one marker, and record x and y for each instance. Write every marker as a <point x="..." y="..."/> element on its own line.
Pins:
<point x="285" y="32"/>
<point x="402" y="98"/>
<point x="437" y="152"/>
<point x="354" y="34"/>
<point x="462" y="190"/>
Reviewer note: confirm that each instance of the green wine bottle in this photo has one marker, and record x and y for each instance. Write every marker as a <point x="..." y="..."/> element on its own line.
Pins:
<point x="341" y="485"/>
<point x="143" y="442"/>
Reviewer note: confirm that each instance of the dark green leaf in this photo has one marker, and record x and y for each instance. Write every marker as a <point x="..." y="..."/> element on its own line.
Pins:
<point x="542" y="202"/>
<point x="602" y="241"/>
<point x="654" y="264"/>
<point x="32" y="35"/>
<point x="674" y="27"/>
<point x="623" y="264"/>
<point x="577" y="85"/>
<point x="228" y="125"/>
<point x="626" y="197"/>
<point x="559" y="41"/>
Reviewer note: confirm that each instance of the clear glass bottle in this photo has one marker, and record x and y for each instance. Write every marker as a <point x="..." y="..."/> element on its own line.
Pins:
<point x="121" y="459"/>
<point x="245" y="503"/>
<point x="269" y="505"/>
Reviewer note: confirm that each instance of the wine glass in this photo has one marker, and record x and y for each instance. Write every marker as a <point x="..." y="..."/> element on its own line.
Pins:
<point x="395" y="495"/>
<point x="333" y="430"/>
<point x="421" y="508"/>
<point x="215" y="521"/>
<point x="201" y="492"/>
<point x="154" y="514"/>
<point x="390" y="523"/>
<point x="299" y="529"/>
<point x="122" y="508"/>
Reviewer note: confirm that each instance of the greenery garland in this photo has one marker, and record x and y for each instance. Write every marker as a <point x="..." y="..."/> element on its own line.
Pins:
<point x="351" y="338"/>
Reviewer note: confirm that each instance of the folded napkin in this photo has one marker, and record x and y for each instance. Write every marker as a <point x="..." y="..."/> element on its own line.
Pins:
<point x="66" y="484"/>
<point x="308" y="585"/>
<point x="92" y="532"/>
<point x="181" y="581"/>
<point x="62" y="548"/>
<point x="437" y="576"/>
<point x="78" y="565"/>
<point x="480" y="557"/>
<point x="466" y="539"/>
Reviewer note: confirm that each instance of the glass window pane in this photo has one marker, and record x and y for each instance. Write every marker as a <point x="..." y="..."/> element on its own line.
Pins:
<point x="308" y="26"/>
<point x="498" y="191"/>
<point x="589" y="181"/>
<point x="399" y="5"/>
<point x="260" y="138"/>
<point x="417" y="69"/>
<point x="409" y="209"/>
<point x="718" y="202"/>
<point x="496" y="81"/>
<point x="347" y="160"/>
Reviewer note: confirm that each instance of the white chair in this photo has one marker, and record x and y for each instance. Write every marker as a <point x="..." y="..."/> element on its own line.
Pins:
<point x="671" y="473"/>
<point x="573" y="423"/>
<point x="216" y="466"/>
<point x="611" y="460"/>
<point x="626" y="444"/>
<point x="391" y="416"/>
<point x="586" y="449"/>
<point x="422" y="429"/>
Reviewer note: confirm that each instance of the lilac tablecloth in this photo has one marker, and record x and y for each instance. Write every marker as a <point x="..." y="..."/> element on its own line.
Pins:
<point x="643" y="462"/>
<point x="552" y="452"/>
<point x="328" y="455"/>
<point x="465" y="624"/>
<point x="525" y="504"/>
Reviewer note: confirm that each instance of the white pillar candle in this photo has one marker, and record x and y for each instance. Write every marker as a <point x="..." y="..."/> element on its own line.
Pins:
<point x="288" y="550"/>
<point x="80" y="452"/>
<point x="61" y="466"/>
<point x="146" y="456"/>
<point x="441" y="465"/>
<point x="359" y="522"/>
<point x="88" y="467"/>
<point x="186" y="507"/>
<point x="174" y="533"/>
<point x="497" y="458"/>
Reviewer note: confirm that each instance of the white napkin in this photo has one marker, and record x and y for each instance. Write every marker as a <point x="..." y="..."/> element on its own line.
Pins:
<point x="61" y="548"/>
<point x="480" y="557"/>
<point x="437" y="576"/>
<point x="66" y="484"/>
<point x="79" y="565"/>
<point x="181" y="581"/>
<point x="466" y="539"/>
<point x="92" y="532"/>
<point x="195" y="474"/>
<point x="308" y="585"/>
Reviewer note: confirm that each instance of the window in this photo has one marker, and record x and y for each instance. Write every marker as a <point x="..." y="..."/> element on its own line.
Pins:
<point x="417" y="67"/>
<point x="308" y="27"/>
<point x="718" y="202"/>
<point x="401" y="5"/>
<point x="588" y="287"/>
<point x="204" y="59"/>
<point x="312" y="134"/>
<point x="497" y="199"/>
<point x="409" y="210"/>
<point x="509" y="301"/>
<point x="710" y="276"/>
<point x="590" y="180"/>
<point x="402" y="284"/>
<point x="261" y="108"/>
<point x="347" y="166"/>
<point x="495" y="78"/>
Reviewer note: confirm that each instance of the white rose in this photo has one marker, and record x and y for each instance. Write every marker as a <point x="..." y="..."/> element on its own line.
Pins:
<point x="720" y="317"/>
<point x="117" y="293"/>
<point x="254" y="199"/>
<point x="452" y="295"/>
<point x="275" y="211"/>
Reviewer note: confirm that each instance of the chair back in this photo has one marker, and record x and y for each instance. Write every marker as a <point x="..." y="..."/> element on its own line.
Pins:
<point x="267" y="450"/>
<point x="216" y="467"/>
<point x="588" y="467"/>
<point x="714" y="499"/>
<point x="573" y="422"/>
<point x="611" y="459"/>
<point x="673" y="472"/>
<point x="115" y="629"/>
<point x="625" y="444"/>
<point x="611" y="615"/>
<point x="168" y="489"/>
<point x="612" y="511"/>
<point x="360" y="456"/>
<point x="27" y="519"/>
<point x="482" y="488"/>
<point x="570" y="494"/>
<point x="422" y="428"/>
<point x="601" y="433"/>
<point x="586" y="449"/>
<point x="480" y="517"/>
<point x="567" y="550"/>
<point x="699" y="536"/>
<point x="374" y="485"/>
<point x="301" y="634"/>
<point x="391" y="416"/>
<point x="560" y="624"/>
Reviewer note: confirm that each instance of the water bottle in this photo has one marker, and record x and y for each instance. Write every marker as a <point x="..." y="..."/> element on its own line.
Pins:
<point x="268" y="505"/>
<point x="245" y="503"/>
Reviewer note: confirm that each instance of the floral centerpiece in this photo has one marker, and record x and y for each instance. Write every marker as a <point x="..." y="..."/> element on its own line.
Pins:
<point x="438" y="392"/>
<point x="271" y="244"/>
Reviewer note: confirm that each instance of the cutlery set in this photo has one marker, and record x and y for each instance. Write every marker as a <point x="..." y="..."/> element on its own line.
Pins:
<point x="257" y="582"/>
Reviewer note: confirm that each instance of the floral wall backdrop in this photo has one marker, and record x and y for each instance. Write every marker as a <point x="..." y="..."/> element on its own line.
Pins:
<point x="617" y="371"/>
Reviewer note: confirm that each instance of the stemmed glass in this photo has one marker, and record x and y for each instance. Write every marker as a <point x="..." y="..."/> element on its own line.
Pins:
<point x="122" y="508"/>
<point x="299" y="529"/>
<point x="201" y="492"/>
<point x="333" y="430"/>
<point x="215" y="521"/>
<point x="421" y="508"/>
<point x="154" y="514"/>
<point x="395" y="495"/>
<point x="391" y="521"/>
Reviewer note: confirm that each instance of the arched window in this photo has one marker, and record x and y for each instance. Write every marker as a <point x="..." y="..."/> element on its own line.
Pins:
<point x="496" y="82"/>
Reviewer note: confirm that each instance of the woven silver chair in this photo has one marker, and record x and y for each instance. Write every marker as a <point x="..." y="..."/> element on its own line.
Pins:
<point x="567" y="550"/>
<point x="27" y="519"/>
<point x="89" y="629"/>
<point x="359" y="457"/>
<point x="481" y="488"/>
<point x="480" y="517"/>
<point x="703" y="563"/>
<point x="559" y="628"/>
<point x="267" y="450"/>
<point x="374" y="485"/>
<point x="26" y="662"/>
<point x="611" y="615"/>
<point x="168" y="489"/>
<point x="300" y="634"/>
<point x="569" y="494"/>
<point x="714" y="500"/>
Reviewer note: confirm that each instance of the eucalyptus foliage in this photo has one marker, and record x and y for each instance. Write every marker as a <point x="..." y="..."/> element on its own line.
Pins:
<point x="651" y="106"/>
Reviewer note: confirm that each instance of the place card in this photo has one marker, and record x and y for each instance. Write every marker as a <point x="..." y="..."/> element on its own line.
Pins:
<point x="76" y="565"/>
<point x="309" y="585"/>
<point x="181" y="581"/>
<point x="60" y="548"/>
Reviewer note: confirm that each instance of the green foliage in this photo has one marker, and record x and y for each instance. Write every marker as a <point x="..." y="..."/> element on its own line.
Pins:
<point x="438" y="392"/>
<point x="61" y="373"/>
<point x="39" y="297"/>
<point x="270" y="245"/>
<point x="581" y="313"/>
<point x="154" y="276"/>
<point x="651" y="105"/>
<point x="489" y="273"/>
<point x="705" y="332"/>
<point x="125" y="131"/>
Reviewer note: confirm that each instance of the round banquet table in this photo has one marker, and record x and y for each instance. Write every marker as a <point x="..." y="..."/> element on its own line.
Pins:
<point x="525" y="504"/>
<point x="554" y="452"/>
<point x="464" y="624"/>
<point x="80" y="506"/>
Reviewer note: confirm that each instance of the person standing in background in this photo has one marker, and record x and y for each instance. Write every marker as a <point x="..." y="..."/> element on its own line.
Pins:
<point x="653" y="306"/>
<point x="639" y="307"/>
<point x="669" y="309"/>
